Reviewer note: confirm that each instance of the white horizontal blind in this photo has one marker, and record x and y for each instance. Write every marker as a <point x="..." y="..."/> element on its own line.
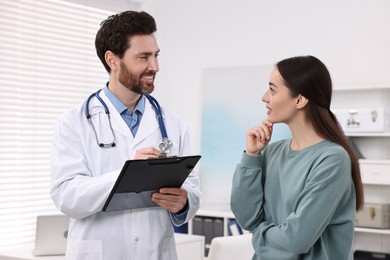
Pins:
<point x="47" y="64"/>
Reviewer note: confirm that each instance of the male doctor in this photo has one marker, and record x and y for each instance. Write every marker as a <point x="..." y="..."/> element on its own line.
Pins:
<point x="83" y="173"/>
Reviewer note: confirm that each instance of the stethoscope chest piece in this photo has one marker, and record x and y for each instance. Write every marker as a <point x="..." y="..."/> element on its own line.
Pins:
<point x="165" y="146"/>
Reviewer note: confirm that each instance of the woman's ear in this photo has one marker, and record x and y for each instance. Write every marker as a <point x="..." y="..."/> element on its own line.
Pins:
<point x="112" y="60"/>
<point x="301" y="101"/>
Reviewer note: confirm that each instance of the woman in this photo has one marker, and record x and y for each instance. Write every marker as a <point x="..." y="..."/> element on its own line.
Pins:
<point x="301" y="194"/>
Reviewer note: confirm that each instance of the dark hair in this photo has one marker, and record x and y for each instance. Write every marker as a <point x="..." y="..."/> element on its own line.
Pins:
<point x="115" y="32"/>
<point x="308" y="76"/>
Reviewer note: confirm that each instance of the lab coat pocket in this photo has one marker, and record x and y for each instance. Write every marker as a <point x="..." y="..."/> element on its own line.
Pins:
<point x="84" y="250"/>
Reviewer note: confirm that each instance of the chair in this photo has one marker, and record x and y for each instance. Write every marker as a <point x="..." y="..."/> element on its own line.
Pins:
<point x="231" y="248"/>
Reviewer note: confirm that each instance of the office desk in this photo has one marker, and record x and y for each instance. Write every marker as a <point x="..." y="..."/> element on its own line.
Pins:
<point x="189" y="247"/>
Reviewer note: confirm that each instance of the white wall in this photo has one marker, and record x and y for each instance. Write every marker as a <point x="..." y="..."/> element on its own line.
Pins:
<point x="114" y="6"/>
<point x="352" y="38"/>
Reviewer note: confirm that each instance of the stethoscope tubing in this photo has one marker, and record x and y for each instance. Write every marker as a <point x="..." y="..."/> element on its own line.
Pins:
<point x="156" y="108"/>
<point x="160" y="119"/>
<point x="87" y="114"/>
<point x="96" y="94"/>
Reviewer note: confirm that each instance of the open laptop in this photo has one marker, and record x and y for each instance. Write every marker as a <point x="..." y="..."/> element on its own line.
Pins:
<point x="50" y="236"/>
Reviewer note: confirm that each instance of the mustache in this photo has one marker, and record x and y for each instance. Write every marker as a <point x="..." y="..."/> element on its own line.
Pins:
<point x="149" y="73"/>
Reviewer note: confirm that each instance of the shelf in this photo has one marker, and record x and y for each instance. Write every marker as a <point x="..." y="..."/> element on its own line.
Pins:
<point x="376" y="147"/>
<point x="376" y="183"/>
<point x="215" y="213"/>
<point x="367" y="134"/>
<point x="362" y="87"/>
<point x="375" y="161"/>
<point x="373" y="230"/>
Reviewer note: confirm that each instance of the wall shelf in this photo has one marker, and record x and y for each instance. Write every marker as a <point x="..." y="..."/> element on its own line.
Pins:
<point x="376" y="183"/>
<point x="368" y="134"/>
<point x="361" y="88"/>
<point x="375" y="149"/>
<point x="372" y="230"/>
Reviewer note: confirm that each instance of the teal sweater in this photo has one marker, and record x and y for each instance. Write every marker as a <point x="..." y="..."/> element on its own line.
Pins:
<point x="297" y="204"/>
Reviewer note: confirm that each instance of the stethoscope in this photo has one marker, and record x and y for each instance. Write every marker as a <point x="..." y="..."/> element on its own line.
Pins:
<point x="165" y="145"/>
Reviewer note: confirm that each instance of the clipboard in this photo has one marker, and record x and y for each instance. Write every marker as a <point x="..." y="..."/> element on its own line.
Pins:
<point x="139" y="179"/>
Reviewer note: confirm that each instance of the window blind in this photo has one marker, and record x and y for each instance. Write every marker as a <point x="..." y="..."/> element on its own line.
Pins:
<point x="47" y="64"/>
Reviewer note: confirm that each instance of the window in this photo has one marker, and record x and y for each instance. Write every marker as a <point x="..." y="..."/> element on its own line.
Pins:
<point x="47" y="64"/>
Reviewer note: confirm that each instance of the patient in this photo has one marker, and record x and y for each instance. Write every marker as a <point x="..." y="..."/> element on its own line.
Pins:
<point x="298" y="197"/>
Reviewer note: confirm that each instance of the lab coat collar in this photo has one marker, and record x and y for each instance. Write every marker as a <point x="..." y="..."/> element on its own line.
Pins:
<point x="148" y="124"/>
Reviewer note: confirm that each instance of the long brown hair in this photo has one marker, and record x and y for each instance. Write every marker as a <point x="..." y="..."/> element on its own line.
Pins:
<point x="308" y="76"/>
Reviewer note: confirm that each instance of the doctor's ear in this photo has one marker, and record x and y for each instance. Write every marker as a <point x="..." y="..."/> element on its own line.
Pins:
<point x="301" y="101"/>
<point x="112" y="60"/>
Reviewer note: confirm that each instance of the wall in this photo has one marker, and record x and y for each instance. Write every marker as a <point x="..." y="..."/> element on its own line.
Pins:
<point x="114" y="6"/>
<point x="350" y="36"/>
<point x="230" y="104"/>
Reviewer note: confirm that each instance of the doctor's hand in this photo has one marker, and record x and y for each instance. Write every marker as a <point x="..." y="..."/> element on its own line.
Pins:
<point x="258" y="137"/>
<point x="146" y="153"/>
<point x="172" y="199"/>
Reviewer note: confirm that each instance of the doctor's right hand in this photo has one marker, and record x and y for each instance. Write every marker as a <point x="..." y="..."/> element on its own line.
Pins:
<point x="146" y="153"/>
<point x="257" y="138"/>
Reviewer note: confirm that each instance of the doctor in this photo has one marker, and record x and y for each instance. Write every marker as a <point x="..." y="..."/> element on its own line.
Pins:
<point x="88" y="156"/>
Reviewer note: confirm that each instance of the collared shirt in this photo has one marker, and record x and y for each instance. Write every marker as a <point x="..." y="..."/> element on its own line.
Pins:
<point x="132" y="119"/>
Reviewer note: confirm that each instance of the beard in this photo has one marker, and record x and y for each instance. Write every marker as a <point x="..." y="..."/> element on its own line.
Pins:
<point x="133" y="82"/>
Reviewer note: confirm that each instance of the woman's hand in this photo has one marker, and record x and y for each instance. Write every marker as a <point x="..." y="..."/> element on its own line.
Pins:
<point x="258" y="137"/>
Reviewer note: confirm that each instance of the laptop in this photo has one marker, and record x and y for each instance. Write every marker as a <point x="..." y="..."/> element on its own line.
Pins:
<point x="50" y="236"/>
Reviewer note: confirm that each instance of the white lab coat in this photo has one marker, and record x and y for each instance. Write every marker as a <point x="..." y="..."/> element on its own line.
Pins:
<point x="83" y="175"/>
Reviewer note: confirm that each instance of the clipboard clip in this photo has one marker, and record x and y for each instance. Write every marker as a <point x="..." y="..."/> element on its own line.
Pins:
<point x="164" y="160"/>
<point x="163" y="156"/>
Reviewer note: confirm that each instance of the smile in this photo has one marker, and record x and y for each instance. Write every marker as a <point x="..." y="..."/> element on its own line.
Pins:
<point x="149" y="78"/>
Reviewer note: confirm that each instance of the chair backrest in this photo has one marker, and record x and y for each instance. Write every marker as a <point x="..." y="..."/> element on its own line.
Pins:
<point x="231" y="248"/>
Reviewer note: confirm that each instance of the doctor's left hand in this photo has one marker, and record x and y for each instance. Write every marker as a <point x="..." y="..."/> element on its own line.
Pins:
<point x="172" y="199"/>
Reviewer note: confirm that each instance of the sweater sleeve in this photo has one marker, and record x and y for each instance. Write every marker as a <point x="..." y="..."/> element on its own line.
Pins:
<point x="327" y="183"/>
<point x="247" y="194"/>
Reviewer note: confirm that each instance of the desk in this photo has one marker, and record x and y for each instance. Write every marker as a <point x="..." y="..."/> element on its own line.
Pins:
<point x="189" y="247"/>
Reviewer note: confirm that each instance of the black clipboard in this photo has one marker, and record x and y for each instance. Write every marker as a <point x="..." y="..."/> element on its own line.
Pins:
<point x="140" y="178"/>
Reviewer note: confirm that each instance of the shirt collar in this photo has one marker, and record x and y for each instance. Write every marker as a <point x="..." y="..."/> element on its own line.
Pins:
<point x="120" y="107"/>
